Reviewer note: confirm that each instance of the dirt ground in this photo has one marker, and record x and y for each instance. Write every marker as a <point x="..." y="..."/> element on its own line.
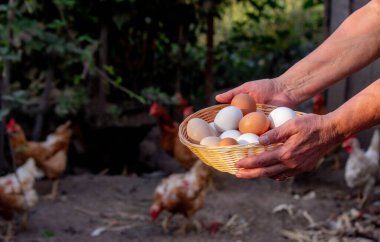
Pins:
<point x="115" y="208"/>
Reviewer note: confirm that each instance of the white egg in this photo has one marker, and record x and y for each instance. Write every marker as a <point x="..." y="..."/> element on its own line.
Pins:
<point x="210" y="141"/>
<point x="280" y="115"/>
<point x="248" y="138"/>
<point x="216" y="132"/>
<point x="228" y="118"/>
<point x="230" y="134"/>
<point x="197" y="129"/>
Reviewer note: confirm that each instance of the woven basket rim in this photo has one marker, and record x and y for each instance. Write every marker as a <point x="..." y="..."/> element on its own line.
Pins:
<point x="186" y="142"/>
<point x="223" y="158"/>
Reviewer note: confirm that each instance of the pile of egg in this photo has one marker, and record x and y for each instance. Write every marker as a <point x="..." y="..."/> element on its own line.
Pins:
<point x="237" y="124"/>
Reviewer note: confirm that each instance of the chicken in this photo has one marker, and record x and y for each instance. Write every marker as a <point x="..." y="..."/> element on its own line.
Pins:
<point x="362" y="167"/>
<point x="181" y="194"/>
<point x="316" y="104"/>
<point x="17" y="194"/>
<point x="169" y="140"/>
<point x="50" y="155"/>
<point x="319" y="105"/>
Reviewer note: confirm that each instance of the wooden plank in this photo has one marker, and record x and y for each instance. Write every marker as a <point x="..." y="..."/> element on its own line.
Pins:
<point x="360" y="80"/>
<point x="339" y="10"/>
<point x="358" y="4"/>
<point x="376" y="70"/>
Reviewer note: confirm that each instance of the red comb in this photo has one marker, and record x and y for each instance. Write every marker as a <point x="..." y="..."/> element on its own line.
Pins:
<point x="188" y="110"/>
<point x="153" y="108"/>
<point x="11" y="124"/>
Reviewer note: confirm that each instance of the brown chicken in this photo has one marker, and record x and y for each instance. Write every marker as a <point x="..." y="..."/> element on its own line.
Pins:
<point x="17" y="194"/>
<point x="169" y="140"/>
<point x="50" y="155"/>
<point x="181" y="194"/>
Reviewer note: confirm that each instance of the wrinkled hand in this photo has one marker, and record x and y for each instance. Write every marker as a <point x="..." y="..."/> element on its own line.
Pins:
<point x="306" y="139"/>
<point x="268" y="91"/>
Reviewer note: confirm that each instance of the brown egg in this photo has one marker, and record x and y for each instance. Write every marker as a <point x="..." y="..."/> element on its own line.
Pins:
<point x="227" y="142"/>
<point x="255" y="122"/>
<point x="244" y="102"/>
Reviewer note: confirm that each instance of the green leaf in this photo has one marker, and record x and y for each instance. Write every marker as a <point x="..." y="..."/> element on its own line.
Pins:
<point x="65" y="3"/>
<point x="109" y="69"/>
<point x="77" y="79"/>
<point x="71" y="101"/>
<point x="4" y="7"/>
<point x="121" y="19"/>
<point x="85" y="38"/>
<point x="30" y="5"/>
<point x="118" y="80"/>
<point x="56" y="24"/>
<point x="18" y="97"/>
<point x="4" y="113"/>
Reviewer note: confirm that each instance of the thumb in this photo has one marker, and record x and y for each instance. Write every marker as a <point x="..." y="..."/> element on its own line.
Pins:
<point x="276" y="135"/>
<point x="227" y="96"/>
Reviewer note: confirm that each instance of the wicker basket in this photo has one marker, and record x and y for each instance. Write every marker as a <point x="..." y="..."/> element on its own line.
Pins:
<point x="222" y="158"/>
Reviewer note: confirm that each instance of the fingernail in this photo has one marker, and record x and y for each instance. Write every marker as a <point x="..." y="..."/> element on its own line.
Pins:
<point x="237" y="165"/>
<point x="238" y="174"/>
<point x="264" y="139"/>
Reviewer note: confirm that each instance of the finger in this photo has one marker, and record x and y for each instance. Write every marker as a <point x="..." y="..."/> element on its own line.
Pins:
<point x="276" y="135"/>
<point x="227" y="96"/>
<point x="264" y="159"/>
<point x="260" y="172"/>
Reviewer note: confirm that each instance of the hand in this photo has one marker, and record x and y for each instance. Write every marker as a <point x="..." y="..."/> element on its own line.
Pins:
<point x="268" y="91"/>
<point x="306" y="139"/>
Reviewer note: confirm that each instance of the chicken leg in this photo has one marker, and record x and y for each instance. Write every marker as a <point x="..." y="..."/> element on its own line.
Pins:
<point x="183" y="228"/>
<point x="24" y="220"/>
<point x="166" y="222"/>
<point x="189" y="222"/>
<point x="8" y="237"/>
<point x="367" y="192"/>
<point x="54" y="190"/>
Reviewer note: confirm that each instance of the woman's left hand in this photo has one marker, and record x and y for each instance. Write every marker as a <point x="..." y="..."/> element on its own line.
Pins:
<point x="305" y="140"/>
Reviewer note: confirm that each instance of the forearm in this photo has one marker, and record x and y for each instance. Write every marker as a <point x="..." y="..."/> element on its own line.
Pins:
<point x="355" y="44"/>
<point x="360" y="112"/>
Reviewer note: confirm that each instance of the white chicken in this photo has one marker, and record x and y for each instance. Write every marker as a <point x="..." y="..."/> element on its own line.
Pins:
<point x="17" y="194"/>
<point x="181" y="193"/>
<point x="362" y="168"/>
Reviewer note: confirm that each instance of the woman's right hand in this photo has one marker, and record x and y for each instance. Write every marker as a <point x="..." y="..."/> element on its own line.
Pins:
<point x="268" y="91"/>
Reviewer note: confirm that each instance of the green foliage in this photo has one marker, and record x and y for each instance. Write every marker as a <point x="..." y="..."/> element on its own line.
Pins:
<point x="266" y="48"/>
<point x="70" y="101"/>
<point x="153" y="48"/>
<point x="4" y="113"/>
<point x="155" y="94"/>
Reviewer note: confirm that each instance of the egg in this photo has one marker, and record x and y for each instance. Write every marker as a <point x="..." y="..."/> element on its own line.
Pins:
<point x="248" y="138"/>
<point x="197" y="129"/>
<point x="230" y="134"/>
<point x="210" y="141"/>
<point x="280" y="115"/>
<point x="227" y="142"/>
<point x="216" y="132"/>
<point x="244" y="102"/>
<point x="255" y="122"/>
<point x="228" y="118"/>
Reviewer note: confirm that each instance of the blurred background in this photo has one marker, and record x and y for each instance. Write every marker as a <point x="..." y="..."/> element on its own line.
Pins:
<point x="103" y="64"/>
